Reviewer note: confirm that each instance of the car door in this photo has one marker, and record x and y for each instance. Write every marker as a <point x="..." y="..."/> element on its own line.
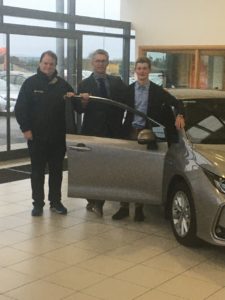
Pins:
<point x="113" y="169"/>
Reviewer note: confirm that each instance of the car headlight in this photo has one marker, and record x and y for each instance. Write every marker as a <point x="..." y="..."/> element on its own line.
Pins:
<point x="217" y="181"/>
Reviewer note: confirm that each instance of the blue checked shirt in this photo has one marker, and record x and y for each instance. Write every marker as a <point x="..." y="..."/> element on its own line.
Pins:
<point x="140" y="103"/>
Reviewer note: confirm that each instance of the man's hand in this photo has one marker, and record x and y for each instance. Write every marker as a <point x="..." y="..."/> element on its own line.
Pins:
<point x="28" y="135"/>
<point x="85" y="98"/>
<point x="69" y="95"/>
<point x="180" y="122"/>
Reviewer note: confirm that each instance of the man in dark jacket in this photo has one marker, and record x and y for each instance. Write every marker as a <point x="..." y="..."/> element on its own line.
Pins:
<point x="101" y="119"/>
<point x="40" y="112"/>
<point x="157" y="103"/>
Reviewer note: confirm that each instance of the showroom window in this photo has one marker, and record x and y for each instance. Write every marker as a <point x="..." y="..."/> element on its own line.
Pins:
<point x="187" y="67"/>
<point x="28" y="28"/>
<point x="106" y="9"/>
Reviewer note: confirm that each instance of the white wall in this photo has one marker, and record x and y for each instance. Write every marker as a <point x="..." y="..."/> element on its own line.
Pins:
<point x="176" y="22"/>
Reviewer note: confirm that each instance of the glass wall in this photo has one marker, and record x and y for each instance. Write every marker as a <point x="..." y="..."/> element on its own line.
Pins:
<point x="73" y="39"/>
<point x="47" y="5"/>
<point x="114" y="46"/>
<point x="3" y="94"/>
<point x="106" y="9"/>
<point x="23" y="64"/>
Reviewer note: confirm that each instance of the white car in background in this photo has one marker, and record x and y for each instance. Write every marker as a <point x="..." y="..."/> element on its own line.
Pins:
<point x="16" y="77"/>
<point x="14" y="91"/>
<point x="16" y="80"/>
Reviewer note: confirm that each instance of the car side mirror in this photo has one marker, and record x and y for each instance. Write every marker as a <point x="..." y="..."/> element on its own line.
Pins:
<point x="147" y="137"/>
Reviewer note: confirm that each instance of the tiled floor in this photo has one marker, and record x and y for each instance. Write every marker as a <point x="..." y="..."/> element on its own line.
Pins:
<point x="83" y="257"/>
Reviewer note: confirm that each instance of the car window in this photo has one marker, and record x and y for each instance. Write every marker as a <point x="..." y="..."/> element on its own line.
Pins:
<point x="205" y="120"/>
<point x="159" y="133"/>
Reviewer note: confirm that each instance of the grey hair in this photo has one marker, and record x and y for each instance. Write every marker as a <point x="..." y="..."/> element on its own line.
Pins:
<point x="100" y="51"/>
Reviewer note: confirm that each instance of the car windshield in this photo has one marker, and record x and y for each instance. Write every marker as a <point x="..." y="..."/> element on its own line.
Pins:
<point x="205" y="120"/>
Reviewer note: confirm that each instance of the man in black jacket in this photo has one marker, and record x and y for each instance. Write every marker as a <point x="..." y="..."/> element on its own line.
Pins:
<point x="157" y="103"/>
<point x="40" y="112"/>
<point x="101" y="119"/>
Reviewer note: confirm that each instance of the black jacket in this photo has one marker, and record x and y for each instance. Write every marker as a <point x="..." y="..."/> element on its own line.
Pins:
<point x="40" y="107"/>
<point x="102" y="119"/>
<point x="160" y="104"/>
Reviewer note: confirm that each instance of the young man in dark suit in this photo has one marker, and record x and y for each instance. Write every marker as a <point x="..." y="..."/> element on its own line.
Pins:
<point x="156" y="102"/>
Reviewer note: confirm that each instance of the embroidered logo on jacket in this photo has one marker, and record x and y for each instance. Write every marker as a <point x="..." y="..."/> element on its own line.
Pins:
<point x="38" y="91"/>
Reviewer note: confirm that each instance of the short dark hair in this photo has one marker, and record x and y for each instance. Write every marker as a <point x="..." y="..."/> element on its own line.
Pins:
<point x="100" y="51"/>
<point x="142" y="60"/>
<point x="49" y="53"/>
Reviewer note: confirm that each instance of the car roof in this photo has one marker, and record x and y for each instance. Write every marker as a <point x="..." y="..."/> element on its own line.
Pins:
<point x="183" y="94"/>
<point x="14" y="72"/>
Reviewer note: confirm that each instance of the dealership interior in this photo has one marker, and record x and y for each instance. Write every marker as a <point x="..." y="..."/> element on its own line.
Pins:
<point x="82" y="256"/>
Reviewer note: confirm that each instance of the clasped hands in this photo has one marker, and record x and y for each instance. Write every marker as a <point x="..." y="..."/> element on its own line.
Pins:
<point x="85" y="97"/>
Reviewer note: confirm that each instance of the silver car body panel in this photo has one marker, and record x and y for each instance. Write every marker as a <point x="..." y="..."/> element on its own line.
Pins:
<point x="112" y="169"/>
<point x="122" y="170"/>
<point x="184" y="162"/>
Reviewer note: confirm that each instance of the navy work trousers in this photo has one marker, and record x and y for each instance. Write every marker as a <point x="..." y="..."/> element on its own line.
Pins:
<point x="45" y="154"/>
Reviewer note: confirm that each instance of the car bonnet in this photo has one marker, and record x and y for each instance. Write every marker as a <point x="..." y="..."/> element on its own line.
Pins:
<point x="211" y="157"/>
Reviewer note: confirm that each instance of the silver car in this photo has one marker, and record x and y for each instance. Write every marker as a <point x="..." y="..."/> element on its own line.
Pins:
<point x="187" y="178"/>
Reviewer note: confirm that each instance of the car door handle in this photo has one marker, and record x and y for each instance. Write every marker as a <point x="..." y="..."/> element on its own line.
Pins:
<point x="80" y="147"/>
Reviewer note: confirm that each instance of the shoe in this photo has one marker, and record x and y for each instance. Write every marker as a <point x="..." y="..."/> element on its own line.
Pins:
<point x="122" y="213"/>
<point x="139" y="215"/>
<point x="37" y="211"/>
<point x="59" y="208"/>
<point x="90" y="206"/>
<point x="98" y="210"/>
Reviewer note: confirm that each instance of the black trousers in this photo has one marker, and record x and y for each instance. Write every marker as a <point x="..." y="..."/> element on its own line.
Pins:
<point x="127" y="205"/>
<point x="132" y="136"/>
<point x="98" y="203"/>
<point x="44" y="154"/>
